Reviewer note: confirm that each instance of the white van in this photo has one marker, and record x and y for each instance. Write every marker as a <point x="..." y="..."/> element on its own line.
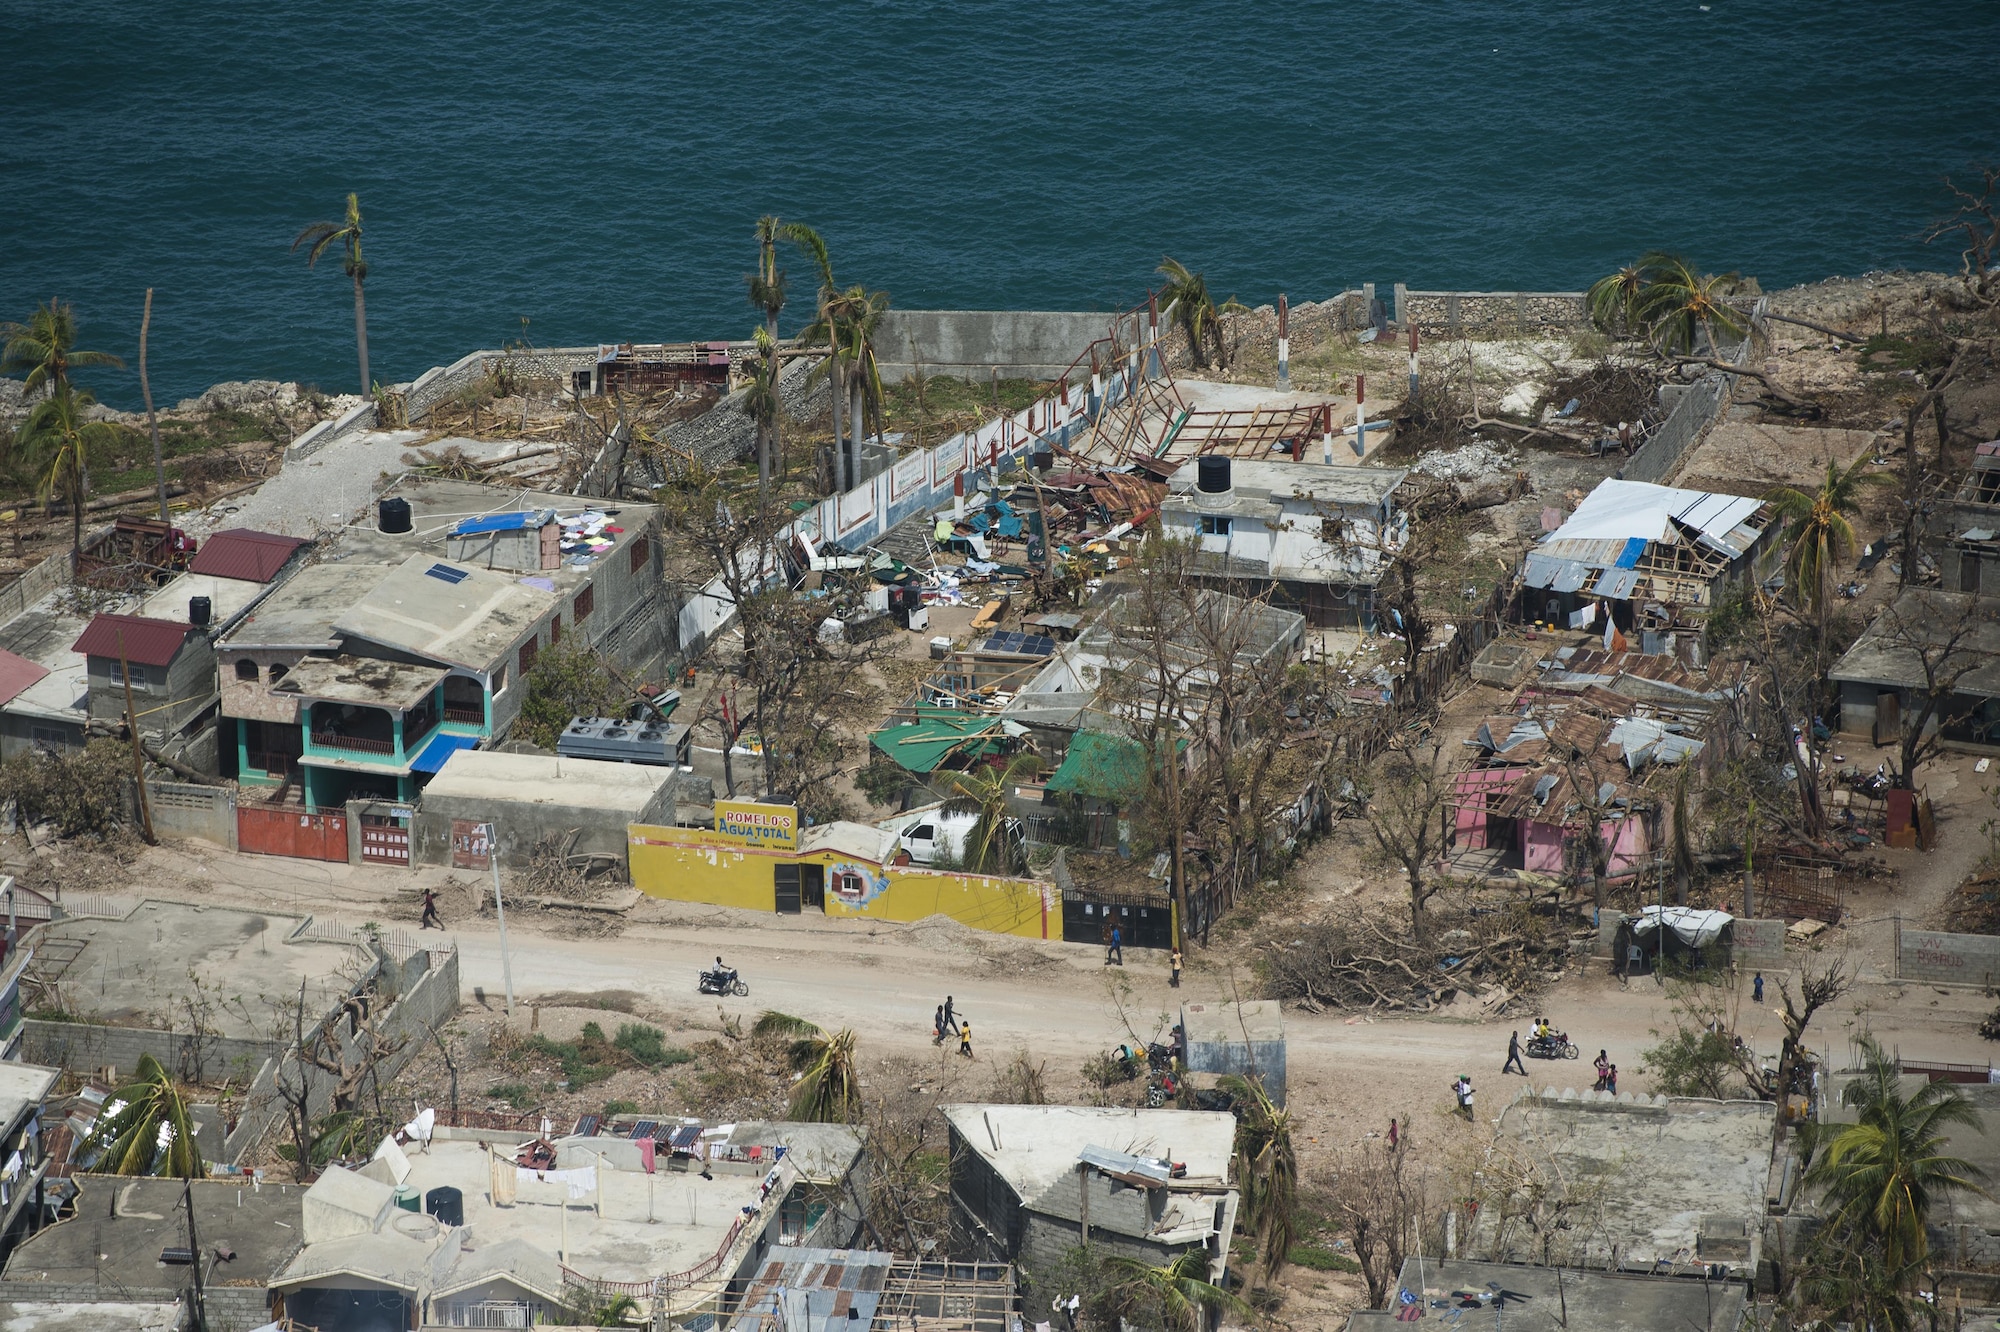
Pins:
<point x="929" y="833"/>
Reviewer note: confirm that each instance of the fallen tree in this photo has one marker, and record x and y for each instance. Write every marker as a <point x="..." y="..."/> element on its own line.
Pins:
<point x="1371" y="960"/>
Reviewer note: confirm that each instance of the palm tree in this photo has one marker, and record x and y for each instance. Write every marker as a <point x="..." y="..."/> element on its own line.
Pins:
<point x="1267" y="1172"/>
<point x="828" y="1089"/>
<point x="1179" y="1293"/>
<point x="615" y="1311"/>
<point x="855" y="314"/>
<point x="57" y="438"/>
<point x="983" y="791"/>
<point x="1674" y="303"/>
<point x="146" y="1128"/>
<point x="1187" y="294"/>
<point x="1819" y="533"/>
<point x="45" y="347"/>
<point x="1613" y="300"/>
<point x="767" y="293"/>
<point x="321" y="235"/>
<point x="1882" y="1174"/>
<point x="824" y="329"/>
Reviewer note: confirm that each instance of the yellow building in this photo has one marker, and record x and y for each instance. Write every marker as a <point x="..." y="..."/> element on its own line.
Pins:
<point x="842" y="869"/>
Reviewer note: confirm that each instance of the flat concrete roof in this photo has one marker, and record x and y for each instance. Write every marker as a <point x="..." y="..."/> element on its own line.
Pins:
<point x="1233" y="1024"/>
<point x="1032" y="1146"/>
<point x="1255" y="485"/>
<point x="66" y="1316"/>
<point x="22" y="1086"/>
<point x="862" y="840"/>
<point x="43" y="635"/>
<point x="121" y="1224"/>
<point x="301" y="611"/>
<point x="471" y="618"/>
<point x="371" y="681"/>
<point x="1583" y="1302"/>
<point x="1667" y="1166"/>
<point x="539" y="779"/>
<point x="226" y="596"/>
<point x="130" y="972"/>
<point x="634" y="1227"/>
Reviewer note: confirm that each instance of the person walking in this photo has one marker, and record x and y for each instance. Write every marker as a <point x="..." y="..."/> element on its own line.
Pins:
<point x="937" y="1026"/>
<point x="1395" y="1136"/>
<point x="1116" y="952"/>
<point x="1174" y="969"/>
<point x="1611" y="1079"/>
<point x="431" y="920"/>
<point x="948" y="1024"/>
<point x="1603" y="1067"/>
<point x="1514" y="1064"/>
<point x="1757" y="988"/>
<point x="1462" y="1089"/>
<point x="965" y="1038"/>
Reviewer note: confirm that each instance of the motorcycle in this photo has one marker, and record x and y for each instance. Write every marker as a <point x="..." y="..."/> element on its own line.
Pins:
<point x="1161" y="1090"/>
<point x="722" y="982"/>
<point x="1556" y="1046"/>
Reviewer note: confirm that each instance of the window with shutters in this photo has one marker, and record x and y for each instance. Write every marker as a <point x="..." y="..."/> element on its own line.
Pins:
<point x="585" y="603"/>
<point x="528" y="651"/>
<point x="639" y="553"/>
<point x="555" y="631"/>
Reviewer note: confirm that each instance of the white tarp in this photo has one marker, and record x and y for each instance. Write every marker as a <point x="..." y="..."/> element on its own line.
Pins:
<point x="1621" y="510"/>
<point x="1696" y="929"/>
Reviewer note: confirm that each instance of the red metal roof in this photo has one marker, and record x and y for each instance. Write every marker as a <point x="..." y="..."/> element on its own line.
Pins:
<point x="148" y="642"/>
<point x="242" y="553"/>
<point x="16" y="674"/>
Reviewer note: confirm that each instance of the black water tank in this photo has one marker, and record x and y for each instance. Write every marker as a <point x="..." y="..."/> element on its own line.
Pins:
<point x="1211" y="473"/>
<point x="1044" y="459"/>
<point x="200" y="611"/>
<point x="395" y="515"/>
<point x="446" y="1204"/>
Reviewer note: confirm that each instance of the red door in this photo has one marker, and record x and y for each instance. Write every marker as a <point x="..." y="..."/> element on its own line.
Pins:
<point x="384" y="841"/>
<point x="264" y="831"/>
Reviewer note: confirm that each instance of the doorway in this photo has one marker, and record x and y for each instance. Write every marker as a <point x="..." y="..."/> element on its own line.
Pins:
<point x="812" y="886"/>
<point x="786" y="880"/>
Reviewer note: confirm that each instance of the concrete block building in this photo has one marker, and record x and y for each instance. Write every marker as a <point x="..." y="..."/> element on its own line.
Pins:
<point x="1029" y="1183"/>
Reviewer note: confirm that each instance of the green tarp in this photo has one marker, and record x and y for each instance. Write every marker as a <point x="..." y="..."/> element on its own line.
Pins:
<point x="1104" y="767"/>
<point x="939" y="734"/>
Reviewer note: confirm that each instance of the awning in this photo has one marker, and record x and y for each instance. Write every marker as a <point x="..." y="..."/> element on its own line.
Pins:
<point x="938" y="734"/>
<point x="1696" y="929"/>
<point x="439" y="749"/>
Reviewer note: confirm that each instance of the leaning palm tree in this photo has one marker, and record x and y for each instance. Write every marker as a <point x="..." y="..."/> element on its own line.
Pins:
<point x="1179" y="1294"/>
<point x="321" y="236"/>
<point x="983" y="791"/>
<point x="57" y="438"/>
<point x="1613" y="300"/>
<point x="1819" y="532"/>
<point x="828" y="1085"/>
<point x="1675" y="304"/>
<point x="145" y="1128"/>
<point x="1267" y="1171"/>
<point x="855" y="314"/>
<point x="1186" y="293"/>
<point x="824" y="329"/>
<point x="1882" y="1174"/>
<point x="45" y="346"/>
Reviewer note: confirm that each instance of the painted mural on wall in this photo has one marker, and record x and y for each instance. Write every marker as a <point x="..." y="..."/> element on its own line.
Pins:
<point x="854" y="884"/>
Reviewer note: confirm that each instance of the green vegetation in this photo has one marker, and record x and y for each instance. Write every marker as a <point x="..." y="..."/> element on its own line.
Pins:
<point x="568" y="680"/>
<point x="1819" y="533"/>
<point x="45" y="347"/>
<point x="828" y="1090"/>
<point x="936" y="407"/>
<point x="1317" y="1259"/>
<point x="1268" y="1169"/>
<point x="517" y="1095"/>
<point x="1664" y="299"/>
<point x="983" y="791"/>
<point x="1891" y="353"/>
<point x="1185" y="297"/>
<point x="619" y="1106"/>
<point x="591" y="1057"/>
<point x="150" y="1132"/>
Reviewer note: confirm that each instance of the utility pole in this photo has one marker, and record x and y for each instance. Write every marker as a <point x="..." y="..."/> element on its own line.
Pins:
<point x="197" y="1302"/>
<point x="152" y="421"/>
<point x="1284" y="345"/>
<point x="500" y="910"/>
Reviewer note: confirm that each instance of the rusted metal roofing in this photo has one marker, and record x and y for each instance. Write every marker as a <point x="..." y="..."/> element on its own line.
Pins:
<point x="17" y="674"/>
<point x="241" y="553"/>
<point x="134" y="637"/>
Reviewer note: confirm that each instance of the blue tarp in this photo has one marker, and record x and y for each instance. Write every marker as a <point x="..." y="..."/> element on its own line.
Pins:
<point x="1634" y="548"/>
<point x="502" y="522"/>
<point x="439" y="749"/>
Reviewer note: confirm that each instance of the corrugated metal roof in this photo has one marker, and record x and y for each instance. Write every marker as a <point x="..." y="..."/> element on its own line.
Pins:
<point x="1570" y="577"/>
<point x="241" y="553"/>
<point x="136" y="638"/>
<point x="17" y="674"/>
<point x="1616" y="584"/>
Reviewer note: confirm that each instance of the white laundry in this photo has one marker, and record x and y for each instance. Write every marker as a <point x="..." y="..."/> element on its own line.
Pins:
<point x="581" y="1181"/>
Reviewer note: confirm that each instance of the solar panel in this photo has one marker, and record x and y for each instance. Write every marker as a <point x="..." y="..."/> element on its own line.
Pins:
<point x="444" y="573"/>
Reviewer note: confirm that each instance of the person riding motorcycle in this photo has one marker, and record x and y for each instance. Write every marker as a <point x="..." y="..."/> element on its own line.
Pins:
<point x="726" y="975"/>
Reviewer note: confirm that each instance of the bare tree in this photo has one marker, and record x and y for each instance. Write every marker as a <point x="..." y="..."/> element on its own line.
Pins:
<point x="1974" y="226"/>
<point x="1380" y="1197"/>
<point x="1407" y="792"/>
<point x="1817" y="986"/>
<point x="1934" y="644"/>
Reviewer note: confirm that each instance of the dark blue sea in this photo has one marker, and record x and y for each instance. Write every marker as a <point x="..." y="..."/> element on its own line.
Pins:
<point x="596" y="169"/>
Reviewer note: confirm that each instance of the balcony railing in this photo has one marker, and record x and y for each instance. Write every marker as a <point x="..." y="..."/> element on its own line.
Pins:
<point x="472" y="716"/>
<point x="361" y="744"/>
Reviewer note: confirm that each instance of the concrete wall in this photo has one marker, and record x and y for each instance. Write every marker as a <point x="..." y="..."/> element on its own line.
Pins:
<point x="970" y="344"/>
<point x="523" y="825"/>
<point x="1264" y="1060"/>
<point x="230" y="1308"/>
<point x="83" y="1046"/>
<point x="182" y="809"/>
<point x="1757" y="945"/>
<point x="36" y="583"/>
<point x="169" y="697"/>
<point x="1455" y="312"/>
<point x="1947" y="959"/>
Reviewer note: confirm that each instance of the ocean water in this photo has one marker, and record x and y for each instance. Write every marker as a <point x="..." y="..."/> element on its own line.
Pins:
<point x="597" y="171"/>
